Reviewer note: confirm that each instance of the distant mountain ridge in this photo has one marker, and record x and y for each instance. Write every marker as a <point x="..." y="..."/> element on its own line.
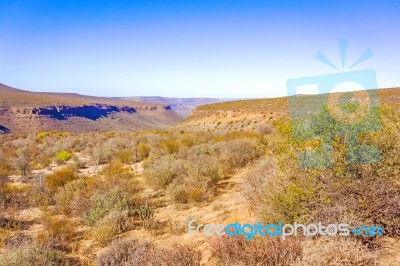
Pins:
<point x="183" y="106"/>
<point x="25" y="111"/>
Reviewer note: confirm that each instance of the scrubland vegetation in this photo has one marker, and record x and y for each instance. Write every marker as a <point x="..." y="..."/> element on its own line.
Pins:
<point x="77" y="199"/>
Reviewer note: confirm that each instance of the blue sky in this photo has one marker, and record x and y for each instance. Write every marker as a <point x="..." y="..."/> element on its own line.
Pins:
<point x="207" y="48"/>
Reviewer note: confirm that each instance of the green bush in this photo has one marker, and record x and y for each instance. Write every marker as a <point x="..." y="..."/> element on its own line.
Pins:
<point x="348" y="192"/>
<point x="42" y="135"/>
<point x="63" y="156"/>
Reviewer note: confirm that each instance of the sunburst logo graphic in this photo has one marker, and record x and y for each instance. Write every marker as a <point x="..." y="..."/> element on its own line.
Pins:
<point x="346" y="105"/>
<point x="343" y="43"/>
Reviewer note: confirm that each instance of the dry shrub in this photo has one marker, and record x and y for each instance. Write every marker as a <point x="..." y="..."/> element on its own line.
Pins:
<point x="4" y="235"/>
<point x="23" y="160"/>
<point x="14" y="196"/>
<point x="146" y="215"/>
<point x="132" y="252"/>
<point x="104" y="234"/>
<point x="176" y="255"/>
<point x="275" y="197"/>
<point x="161" y="171"/>
<point x="125" y="253"/>
<point x="190" y="189"/>
<point x="117" y="219"/>
<point x="66" y="195"/>
<point x="258" y="183"/>
<point x="18" y="240"/>
<point x="116" y="169"/>
<point x="265" y="129"/>
<point x="170" y="146"/>
<point x="259" y="251"/>
<point x="143" y="151"/>
<point x="235" y="135"/>
<point x="57" y="234"/>
<point x="238" y="153"/>
<point x="103" y="203"/>
<point x="337" y="251"/>
<point x="34" y="256"/>
<point x="197" y="182"/>
<point x="61" y="177"/>
<point x="125" y="156"/>
<point x="109" y="226"/>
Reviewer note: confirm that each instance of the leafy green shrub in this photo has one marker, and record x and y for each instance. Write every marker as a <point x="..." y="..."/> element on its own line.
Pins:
<point x="63" y="156"/>
<point x="354" y="193"/>
<point x="42" y="135"/>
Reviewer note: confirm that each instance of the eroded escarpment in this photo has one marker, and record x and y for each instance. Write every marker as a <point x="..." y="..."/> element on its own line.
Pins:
<point x="86" y="118"/>
<point x="92" y="112"/>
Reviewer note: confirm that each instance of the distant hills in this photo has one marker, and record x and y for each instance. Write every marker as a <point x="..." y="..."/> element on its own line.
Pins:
<point x="182" y="106"/>
<point x="25" y="111"/>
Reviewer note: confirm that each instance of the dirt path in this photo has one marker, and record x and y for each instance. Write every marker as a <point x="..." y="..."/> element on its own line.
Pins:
<point x="226" y="207"/>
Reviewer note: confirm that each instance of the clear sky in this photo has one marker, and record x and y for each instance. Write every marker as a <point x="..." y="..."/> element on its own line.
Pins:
<point x="190" y="48"/>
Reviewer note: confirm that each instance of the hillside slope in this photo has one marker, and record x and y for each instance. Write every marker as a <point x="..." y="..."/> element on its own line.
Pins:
<point x="24" y="111"/>
<point x="249" y="114"/>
